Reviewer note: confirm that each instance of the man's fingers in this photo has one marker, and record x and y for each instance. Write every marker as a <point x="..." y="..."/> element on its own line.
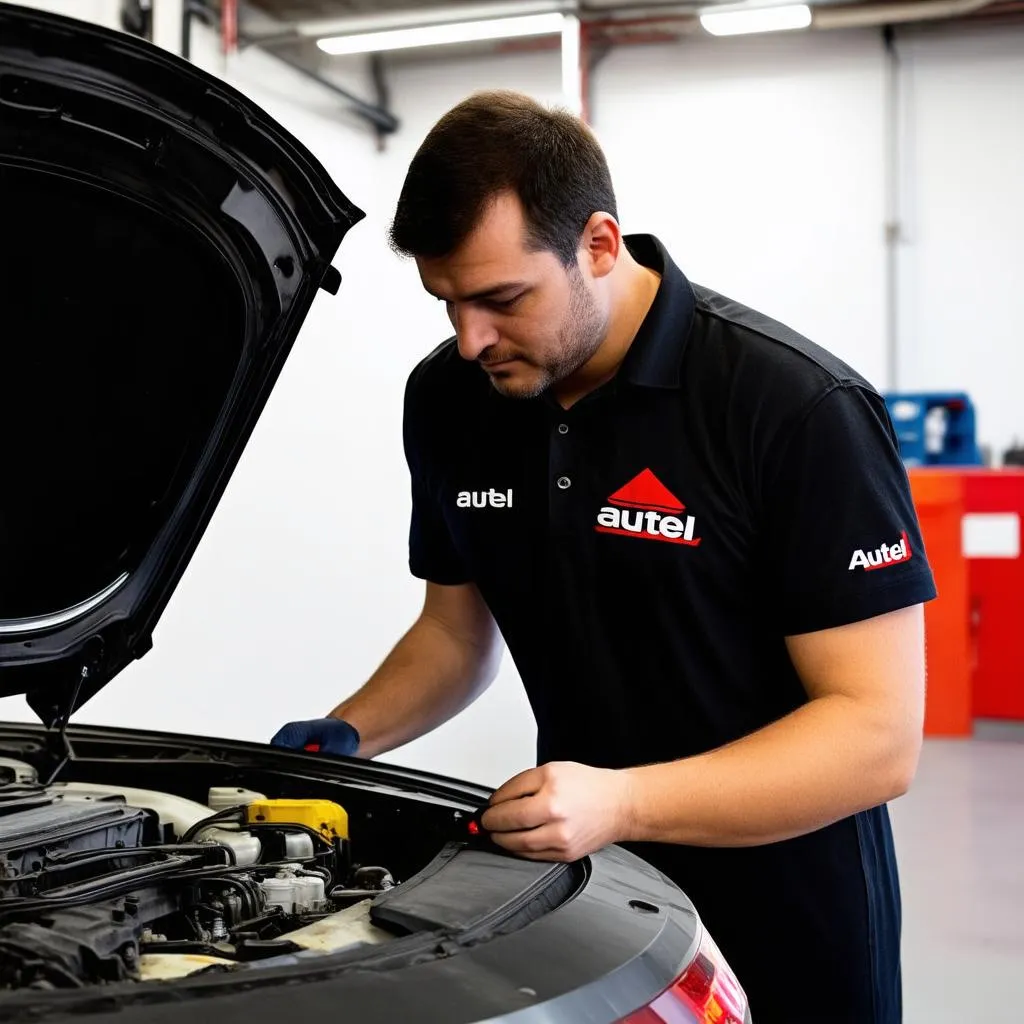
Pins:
<point x="525" y="784"/>
<point x="551" y="837"/>
<point x="550" y="840"/>
<point x="515" y="815"/>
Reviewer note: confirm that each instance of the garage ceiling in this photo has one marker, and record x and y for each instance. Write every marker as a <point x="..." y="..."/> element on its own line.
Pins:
<point x="289" y="28"/>
<point x="295" y="24"/>
<point x="310" y="10"/>
<point x="294" y="11"/>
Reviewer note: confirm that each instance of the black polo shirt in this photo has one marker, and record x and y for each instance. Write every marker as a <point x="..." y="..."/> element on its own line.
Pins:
<point x="645" y="554"/>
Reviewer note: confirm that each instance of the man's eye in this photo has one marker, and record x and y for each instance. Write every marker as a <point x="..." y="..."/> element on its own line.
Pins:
<point x="505" y="303"/>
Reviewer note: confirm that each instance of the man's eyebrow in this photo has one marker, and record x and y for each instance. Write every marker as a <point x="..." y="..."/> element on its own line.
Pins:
<point x="486" y="293"/>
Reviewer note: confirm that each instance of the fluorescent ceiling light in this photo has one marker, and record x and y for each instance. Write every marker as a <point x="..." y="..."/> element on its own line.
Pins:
<point x="436" y="35"/>
<point x="756" y="19"/>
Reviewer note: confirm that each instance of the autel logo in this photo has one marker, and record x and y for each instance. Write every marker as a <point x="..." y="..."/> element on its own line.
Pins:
<point x="646" y="508"/>
<point x="887" y="554"/>
<point x="485" y="499"/>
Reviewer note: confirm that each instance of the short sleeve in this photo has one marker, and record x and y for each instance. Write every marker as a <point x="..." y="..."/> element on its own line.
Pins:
<point x="842" y="535"/>
<point x="432" y="553"/>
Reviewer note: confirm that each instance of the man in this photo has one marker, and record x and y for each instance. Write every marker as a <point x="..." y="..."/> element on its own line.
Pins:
<point x="693" y="531"/>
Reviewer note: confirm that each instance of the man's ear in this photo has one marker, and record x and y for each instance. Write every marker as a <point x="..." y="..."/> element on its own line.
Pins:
<point x="601" y="244"/>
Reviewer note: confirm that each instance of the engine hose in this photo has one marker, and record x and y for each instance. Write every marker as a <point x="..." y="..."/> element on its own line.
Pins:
<point x="320" y="873"/>
<point x="256" y="827"/>
<point x="236" y="814"/>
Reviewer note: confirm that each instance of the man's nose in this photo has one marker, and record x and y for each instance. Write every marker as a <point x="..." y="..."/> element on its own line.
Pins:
<point x="474" y="331"/>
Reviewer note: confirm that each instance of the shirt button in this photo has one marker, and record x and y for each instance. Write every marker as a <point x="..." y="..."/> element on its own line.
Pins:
<point x="564" y="483"/>
<point x="563" y="428"/>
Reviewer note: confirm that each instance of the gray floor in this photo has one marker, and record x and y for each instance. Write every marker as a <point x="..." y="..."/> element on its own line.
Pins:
<point x="960" y="844"/>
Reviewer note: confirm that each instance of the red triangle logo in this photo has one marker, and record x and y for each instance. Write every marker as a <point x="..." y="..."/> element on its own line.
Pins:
<point x="647" y="492"/>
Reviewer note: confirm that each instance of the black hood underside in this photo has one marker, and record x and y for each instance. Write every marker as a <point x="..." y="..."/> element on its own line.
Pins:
<point x="118" y="381"/>
<point x="162" y="241"/>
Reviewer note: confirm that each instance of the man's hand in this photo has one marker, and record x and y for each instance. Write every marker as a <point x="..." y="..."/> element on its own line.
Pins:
<point x="560" y="811"/>
<point x="323" y="735"/>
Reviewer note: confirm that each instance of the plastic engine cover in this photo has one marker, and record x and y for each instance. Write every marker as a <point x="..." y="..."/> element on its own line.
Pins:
<point x="323" y="816"/>
<point x="28" y="837"/>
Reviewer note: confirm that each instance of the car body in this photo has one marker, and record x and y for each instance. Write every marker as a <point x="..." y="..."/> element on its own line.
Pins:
<point x="148" y="876"/>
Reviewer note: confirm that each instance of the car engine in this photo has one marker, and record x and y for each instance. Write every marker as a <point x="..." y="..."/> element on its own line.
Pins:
<point x="101" y="883"/>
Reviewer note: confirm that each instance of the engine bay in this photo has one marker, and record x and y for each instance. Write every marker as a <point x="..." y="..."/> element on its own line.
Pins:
<point x="101" y="883"/>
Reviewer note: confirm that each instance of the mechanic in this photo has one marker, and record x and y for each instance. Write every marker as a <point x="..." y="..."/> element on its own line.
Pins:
<point x="693" y="531"/>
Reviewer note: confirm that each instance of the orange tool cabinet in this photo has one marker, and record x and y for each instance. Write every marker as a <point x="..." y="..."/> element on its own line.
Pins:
<point x="939" y="497"/>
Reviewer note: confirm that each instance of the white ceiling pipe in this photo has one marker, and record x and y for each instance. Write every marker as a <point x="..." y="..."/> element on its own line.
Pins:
<point x="873" y="15"/>
<point x="572" y="69"/>
<point x="167" y="23"/>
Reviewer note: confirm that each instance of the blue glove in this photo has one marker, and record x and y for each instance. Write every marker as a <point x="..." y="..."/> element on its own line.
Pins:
<point x="322" y="735"/>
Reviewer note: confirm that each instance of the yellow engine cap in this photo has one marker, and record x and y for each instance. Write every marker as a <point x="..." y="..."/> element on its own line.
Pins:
<point x="323" y="816"/>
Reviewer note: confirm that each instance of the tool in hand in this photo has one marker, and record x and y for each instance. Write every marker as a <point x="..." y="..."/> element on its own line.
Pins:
<point x="473" y="833"/>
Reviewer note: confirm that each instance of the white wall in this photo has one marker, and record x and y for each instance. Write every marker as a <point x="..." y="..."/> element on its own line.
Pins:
<point x="758" y="160"/>
<point x="762" y="169"/>
<point x="98" y="12"/>
<point x="962" y="266"/>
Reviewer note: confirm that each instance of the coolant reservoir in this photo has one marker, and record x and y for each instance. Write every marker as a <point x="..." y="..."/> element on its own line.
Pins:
<point x="323" y="816"/>
<point x="247" y="847"/>
<point x="298" y="846"/>
<point x="223" y="797"/>
<point x="311" y="894"/>
<point x="280" y="892"/>
<point x="294" y="894"/>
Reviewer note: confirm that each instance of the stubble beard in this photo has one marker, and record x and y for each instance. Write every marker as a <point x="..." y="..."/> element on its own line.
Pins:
<point x="580" y="336"/>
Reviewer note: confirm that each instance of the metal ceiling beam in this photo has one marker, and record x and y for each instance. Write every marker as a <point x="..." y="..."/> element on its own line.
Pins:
<point x="827" y="14"/>
<point x="877" y="14"/>
<point x="382" y="120"/>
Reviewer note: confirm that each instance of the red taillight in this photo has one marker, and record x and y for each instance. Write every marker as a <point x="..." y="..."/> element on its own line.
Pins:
<point x="707" y="992"/>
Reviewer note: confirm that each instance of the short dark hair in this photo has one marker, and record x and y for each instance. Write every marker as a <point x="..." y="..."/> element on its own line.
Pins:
<point x="496" y="142"/>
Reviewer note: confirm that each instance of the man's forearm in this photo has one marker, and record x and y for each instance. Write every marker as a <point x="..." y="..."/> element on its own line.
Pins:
<point x="826" y="760"/>
<point x="428" y="677"/>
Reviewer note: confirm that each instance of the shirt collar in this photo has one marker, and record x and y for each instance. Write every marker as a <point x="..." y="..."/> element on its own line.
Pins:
<point x="654" y="357"/>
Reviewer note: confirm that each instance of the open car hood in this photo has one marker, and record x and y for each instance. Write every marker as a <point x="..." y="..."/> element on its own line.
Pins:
<point x="161" y="242"/>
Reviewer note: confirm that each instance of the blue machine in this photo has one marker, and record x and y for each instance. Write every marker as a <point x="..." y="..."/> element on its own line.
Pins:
<point x="934" y="428"/>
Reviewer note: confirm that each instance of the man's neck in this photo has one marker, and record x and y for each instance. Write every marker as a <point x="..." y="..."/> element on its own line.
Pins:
<point x="633" y="294"/>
